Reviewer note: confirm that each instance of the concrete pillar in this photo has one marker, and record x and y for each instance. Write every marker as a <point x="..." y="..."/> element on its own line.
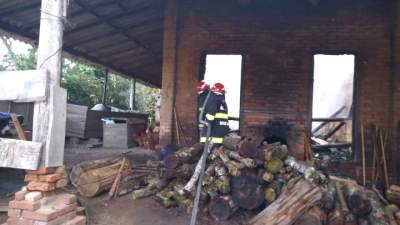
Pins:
<point x="50" y="116"/>
<point x="169" y="72"/>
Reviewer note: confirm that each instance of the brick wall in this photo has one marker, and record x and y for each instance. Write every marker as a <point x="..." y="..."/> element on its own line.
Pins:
<point x="277" y="40"/>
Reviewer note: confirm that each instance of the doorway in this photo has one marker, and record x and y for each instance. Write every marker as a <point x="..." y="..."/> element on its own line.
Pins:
<point x="333" y="104"/>
<point x="226" y="69"/>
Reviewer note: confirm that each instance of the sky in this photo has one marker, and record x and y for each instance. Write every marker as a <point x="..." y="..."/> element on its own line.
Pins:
<point x="226" y="69"/>
<point x="18" y="47"/>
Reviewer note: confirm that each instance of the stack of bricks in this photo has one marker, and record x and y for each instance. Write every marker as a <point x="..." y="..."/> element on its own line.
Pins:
<point x="47" y="179"/>
<point x="31" y="208"/>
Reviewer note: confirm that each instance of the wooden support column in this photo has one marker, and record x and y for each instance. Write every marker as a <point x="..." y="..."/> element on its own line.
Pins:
<point x="169" y="71"/>
<point x="50" y="115"/>
<point x="132" y="95"/>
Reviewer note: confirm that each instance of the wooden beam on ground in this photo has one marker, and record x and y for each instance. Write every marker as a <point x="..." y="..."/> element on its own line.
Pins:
<point x="23" y="86"/>
<point x="19" y="154"/>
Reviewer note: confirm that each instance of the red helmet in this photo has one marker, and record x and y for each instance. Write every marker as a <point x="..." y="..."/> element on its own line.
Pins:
<point x="202" y="87"/>
<point x="218" y="89"/>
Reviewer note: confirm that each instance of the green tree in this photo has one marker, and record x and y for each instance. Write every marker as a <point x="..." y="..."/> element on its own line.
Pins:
<point x="85" y="83"/>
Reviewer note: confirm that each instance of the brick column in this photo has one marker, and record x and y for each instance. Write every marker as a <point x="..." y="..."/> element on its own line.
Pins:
<point x="168" y="73"/>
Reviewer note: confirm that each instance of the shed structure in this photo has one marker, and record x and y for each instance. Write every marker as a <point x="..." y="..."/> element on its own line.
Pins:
<point x="164" y="43"/>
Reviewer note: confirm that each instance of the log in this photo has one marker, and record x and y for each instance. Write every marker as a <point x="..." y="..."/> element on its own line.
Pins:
<point x="223" y="185"/>
<point x="250" y="163"/>
<point x="248" y="149"/>
<point x="274" y="166"/>
<point x="390" y="211"/>
<point x="377" y="215"/>
<point x="328" y="201"/>
<point x="336" y="217"/>
<point x="393" y="194"/>
<point x="155" y="185"/>
<point x="247" y="192"/>
<point x="233" y="167"/>
<point x="296" y="198"/>
<point x="311" y="217"/>
<point x="82" y="167"/>
<point x="277" y="151"/>
<point x="94" y="181"/>
<point x="309" y="172"/>
<point x="357" y="200"/>
<point x="184" y="155"/>
<point x="231" y="141"/>
<point x="222" y="208"/>
<point x="270" y="195"/>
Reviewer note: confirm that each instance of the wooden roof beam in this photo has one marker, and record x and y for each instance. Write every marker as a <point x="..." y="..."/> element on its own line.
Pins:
<point x="118" y="29"/>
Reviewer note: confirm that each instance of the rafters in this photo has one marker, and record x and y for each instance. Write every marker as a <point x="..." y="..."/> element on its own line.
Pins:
<point x="117" y="29"/>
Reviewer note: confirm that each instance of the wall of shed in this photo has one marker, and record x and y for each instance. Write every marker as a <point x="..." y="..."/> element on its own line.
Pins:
<point x="277" y="40"/>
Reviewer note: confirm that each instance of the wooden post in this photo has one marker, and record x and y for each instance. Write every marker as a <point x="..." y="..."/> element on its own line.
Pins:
<point x="105" y="88"/>
<point x="132" y="95"/>
<point x="50" y="115"/>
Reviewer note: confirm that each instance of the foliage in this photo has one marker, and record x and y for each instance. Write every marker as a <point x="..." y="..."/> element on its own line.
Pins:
<point x="85" y="83"/>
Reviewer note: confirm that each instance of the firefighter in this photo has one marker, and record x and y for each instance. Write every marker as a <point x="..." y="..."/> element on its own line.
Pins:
<point x="216" y="113"/>
<point x="202" y="91"/>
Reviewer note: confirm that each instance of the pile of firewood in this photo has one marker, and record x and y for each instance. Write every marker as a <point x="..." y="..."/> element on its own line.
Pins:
<point x="262" y="180"/>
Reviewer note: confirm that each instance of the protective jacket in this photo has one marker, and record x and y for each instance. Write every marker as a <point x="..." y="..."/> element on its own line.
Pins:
<point x="216" y="113"/>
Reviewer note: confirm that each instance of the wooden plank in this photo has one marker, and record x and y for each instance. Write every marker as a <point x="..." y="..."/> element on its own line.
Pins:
<point x="19" y="154"/>
<point x="23" y="86"/>
<point x="76" y="120"/>
<point x="53" y="153"/>
<point x="18" y="127"/>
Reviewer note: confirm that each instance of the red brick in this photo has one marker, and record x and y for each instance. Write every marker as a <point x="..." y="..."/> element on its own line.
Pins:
<point x="66" y="199"/>
<point x="62" y="171"/>
<point x="42" y="170"/>
<point x="31" y="177"/>
<point x="48" y="193"/>
<point x="20" y="195"/>
<point x="41" y="186"/>
<point x="42" y="214"/>
<point x="23" y="221"/>
<point x="19" y="221"/>
<point x="27" y="205"/>
<point x="61" y="183"/>
<point x="14" y="213"/>
<point x="57" y="221"/>
<point x="33" y="196"/>
<point x="79" y="220"/>
<point x="50" y="178"/>
<point x="63" y="209"/>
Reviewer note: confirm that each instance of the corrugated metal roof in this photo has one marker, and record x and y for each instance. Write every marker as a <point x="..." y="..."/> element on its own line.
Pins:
<point x="125" y="36"/>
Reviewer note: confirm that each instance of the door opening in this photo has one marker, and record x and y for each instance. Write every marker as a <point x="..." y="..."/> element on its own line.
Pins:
<point x="333" y="106"/>
<point x="226" y="69"/>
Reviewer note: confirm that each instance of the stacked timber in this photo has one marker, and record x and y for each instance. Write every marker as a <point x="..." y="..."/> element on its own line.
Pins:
<point x="94" y="177"/>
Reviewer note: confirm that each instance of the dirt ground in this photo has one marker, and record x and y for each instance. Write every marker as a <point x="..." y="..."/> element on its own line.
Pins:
<point x="124" y="210"/>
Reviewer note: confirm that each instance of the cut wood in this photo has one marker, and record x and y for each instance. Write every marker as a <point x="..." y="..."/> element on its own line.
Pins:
<point x="248" y="149"/>
<point x="18" y="127"/>
<point x="222" y="208"/>
<point x="377" y="215"/>
<point x="233" y="167"/>
<point x="393" y="194"/>
<point x="247" y="192"/>
<point x="275" y="150"/>
<point x="357" y="200"/>
<point x="309" y="172"/>
<point x="94" y="181"/>
<point x="19" y="154"/>
<point x="82" y="167"/>
<point x="311" y="217"/>
<point x="231" y="141"/>
<point x="184" y="155"/>
<point x="297" y="197"/>
<point x="116" y="183"/>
